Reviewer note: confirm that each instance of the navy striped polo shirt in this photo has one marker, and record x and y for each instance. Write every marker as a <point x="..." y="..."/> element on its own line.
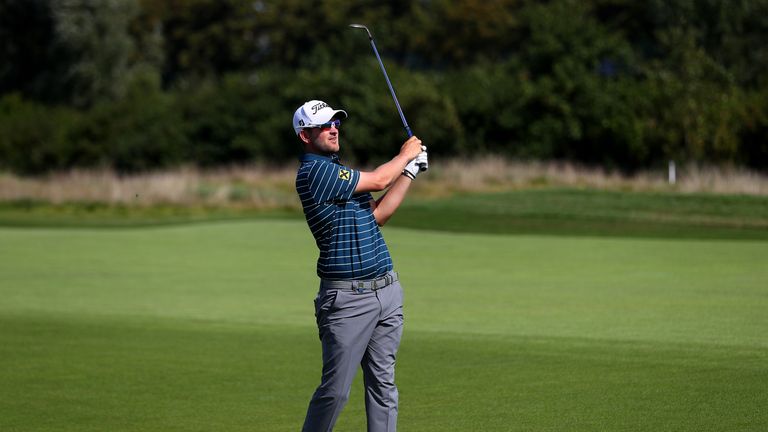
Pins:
<point x="350" y="242"/>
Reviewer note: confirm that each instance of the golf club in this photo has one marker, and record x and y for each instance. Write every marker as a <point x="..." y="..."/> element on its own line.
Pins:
<point x="391" y="89"/>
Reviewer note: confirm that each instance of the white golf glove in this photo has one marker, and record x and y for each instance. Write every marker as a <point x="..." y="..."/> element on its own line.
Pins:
<point x="412" y="169"/>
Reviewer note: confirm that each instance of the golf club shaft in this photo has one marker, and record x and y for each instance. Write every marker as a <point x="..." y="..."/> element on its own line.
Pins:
<point x="422" y="166"/>
<point x="391" y="89"/>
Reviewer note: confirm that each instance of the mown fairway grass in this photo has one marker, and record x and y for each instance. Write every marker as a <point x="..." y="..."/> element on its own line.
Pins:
<point x="210" y="327"/>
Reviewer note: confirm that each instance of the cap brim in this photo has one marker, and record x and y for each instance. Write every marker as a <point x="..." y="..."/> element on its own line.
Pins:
<point x="336" y="114"/>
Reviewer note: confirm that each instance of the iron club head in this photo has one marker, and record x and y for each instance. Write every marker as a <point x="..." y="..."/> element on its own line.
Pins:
<point x="360" y="26"/>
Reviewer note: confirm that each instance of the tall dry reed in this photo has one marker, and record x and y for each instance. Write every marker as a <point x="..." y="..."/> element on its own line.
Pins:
<point x="260" y="186"/>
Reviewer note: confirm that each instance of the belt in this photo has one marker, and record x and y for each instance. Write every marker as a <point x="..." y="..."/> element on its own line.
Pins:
<point x="362" y="285"/>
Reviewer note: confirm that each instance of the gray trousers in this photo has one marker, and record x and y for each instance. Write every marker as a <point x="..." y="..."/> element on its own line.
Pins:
<point x="357" y="326"/>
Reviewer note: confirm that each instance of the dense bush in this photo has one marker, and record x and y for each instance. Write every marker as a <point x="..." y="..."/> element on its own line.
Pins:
<point x="33" y="137"/>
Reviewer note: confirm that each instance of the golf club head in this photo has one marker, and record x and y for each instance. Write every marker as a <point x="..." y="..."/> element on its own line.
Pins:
<point x="360" y="26"/>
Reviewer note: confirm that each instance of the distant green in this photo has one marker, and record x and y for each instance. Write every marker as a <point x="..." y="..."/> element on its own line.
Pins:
<point x="209" y="327"/>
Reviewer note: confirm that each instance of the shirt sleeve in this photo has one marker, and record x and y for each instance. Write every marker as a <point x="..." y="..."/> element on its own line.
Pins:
<point x="331" y="182"/>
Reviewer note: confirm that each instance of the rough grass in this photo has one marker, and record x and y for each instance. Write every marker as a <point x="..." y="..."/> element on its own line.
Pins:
<point x="537" y="210"/>
<point x="592" y="212"/>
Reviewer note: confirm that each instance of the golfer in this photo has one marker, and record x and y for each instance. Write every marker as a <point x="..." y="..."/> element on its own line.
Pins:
<point x="359" y="307"/>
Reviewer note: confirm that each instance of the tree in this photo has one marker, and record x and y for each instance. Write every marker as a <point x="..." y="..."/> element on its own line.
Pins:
<point x="94" y="37"/>
<point x="30" y="65"/>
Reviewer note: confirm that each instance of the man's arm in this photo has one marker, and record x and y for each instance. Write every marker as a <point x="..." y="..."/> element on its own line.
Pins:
<point x="385" y="206"/>
<point x="387" y="174"/>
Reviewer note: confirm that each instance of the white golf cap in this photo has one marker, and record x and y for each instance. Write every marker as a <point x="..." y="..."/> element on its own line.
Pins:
<point x="314" y="113"/>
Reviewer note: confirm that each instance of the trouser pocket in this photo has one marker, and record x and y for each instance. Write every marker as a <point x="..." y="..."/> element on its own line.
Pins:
<point x="324" y="302"/>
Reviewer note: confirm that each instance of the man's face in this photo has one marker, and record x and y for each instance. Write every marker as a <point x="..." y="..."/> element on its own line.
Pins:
<point x="322" y="140"/>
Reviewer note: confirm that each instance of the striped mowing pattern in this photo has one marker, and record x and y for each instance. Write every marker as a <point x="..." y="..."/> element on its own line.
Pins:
<point x="350" y="242"/>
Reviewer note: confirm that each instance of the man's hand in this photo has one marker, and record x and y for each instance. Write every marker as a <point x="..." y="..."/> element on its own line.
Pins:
<point x="386" y="174"/>
<point x="413" y="167"/>
<point x="411" y="148"/>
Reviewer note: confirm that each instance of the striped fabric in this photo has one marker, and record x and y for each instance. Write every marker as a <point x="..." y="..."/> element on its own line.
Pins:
<point x="350" y="242"/>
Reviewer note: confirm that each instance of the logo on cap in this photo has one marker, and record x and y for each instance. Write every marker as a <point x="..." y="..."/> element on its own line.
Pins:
<point x="318" y="107"/>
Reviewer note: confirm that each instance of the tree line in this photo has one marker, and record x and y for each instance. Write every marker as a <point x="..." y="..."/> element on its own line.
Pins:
<point x="146" y="84"/>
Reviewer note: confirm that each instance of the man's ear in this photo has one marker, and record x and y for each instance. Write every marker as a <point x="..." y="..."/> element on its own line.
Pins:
<point x="304" y="136"/>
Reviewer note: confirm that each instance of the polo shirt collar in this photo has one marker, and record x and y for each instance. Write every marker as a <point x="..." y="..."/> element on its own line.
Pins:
<point x="307" y="157"/>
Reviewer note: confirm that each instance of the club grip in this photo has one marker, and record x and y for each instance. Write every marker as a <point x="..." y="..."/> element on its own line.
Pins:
<point x="422" y="166"/>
